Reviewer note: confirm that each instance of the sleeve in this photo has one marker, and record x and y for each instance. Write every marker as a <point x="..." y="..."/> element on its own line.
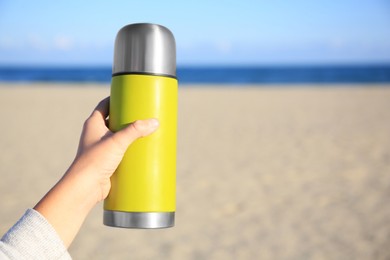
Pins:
<point x="32" y="237"/>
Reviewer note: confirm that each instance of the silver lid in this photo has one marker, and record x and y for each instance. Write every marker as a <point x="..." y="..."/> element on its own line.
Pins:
<point x="145" y="48"/>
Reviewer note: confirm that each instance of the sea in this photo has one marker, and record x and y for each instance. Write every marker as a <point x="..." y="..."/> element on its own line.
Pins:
<point x="216" y="75"/>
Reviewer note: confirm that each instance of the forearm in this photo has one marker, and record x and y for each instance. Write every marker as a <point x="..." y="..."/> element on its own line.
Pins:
<point x="68" y="203"/>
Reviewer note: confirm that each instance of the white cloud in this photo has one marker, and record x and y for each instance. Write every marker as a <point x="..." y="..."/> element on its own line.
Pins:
<point x="337" y="43"/>
<point x="63" y="43"/>
<point x="35" y="42"/>
<point x="223" y="46"/>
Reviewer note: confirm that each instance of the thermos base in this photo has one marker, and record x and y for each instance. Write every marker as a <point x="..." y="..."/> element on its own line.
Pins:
<point x="138" y="219"/>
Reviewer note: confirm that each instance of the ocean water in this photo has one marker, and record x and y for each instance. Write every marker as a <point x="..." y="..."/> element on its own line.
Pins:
<point x="359" y="74"/>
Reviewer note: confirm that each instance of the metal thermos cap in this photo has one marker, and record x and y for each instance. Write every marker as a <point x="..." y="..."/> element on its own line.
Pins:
<point x="145" y="48"/>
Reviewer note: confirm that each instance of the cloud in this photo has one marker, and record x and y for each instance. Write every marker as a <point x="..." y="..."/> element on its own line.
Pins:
<point x="223" y="46"/>
<point x="35" y="42"/>
<point x="337" y="43"/>
<point x="63" y="43"/>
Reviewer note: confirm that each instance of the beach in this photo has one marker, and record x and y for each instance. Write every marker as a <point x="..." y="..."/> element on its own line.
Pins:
<point x="263" y="172"/>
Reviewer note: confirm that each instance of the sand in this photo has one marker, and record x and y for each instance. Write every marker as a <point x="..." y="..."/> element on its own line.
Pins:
<point x="276" y="172"/>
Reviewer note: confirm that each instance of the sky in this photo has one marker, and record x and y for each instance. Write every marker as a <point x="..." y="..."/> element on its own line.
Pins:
<point x="245" y="32"/>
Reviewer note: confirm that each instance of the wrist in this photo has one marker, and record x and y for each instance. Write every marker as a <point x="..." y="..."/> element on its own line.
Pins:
<point x="83" y="189"/>
<point x="67" y="204"/>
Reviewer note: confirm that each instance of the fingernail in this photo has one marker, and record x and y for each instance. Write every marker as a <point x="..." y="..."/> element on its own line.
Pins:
<point x="148" y="125"/>
<point x="153" y="122"/>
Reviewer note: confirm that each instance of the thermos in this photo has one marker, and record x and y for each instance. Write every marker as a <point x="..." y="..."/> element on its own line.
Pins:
<point x="144" y="85"/>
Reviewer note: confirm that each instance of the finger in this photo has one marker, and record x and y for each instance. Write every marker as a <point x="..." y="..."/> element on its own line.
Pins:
<point x="102" y="109"/>
<point x="95" y="125"/>
<point x="130" y="133"/>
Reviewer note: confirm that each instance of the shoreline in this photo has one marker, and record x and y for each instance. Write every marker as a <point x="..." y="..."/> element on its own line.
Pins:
<point x="206" y="85"/>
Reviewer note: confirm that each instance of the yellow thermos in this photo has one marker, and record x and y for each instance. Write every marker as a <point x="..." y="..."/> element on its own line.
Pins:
<point x="144" y="85"/>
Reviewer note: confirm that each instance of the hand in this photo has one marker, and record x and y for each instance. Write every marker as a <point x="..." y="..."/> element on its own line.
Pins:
<point x="100" y="150"/>
<point x="87" y="180"/>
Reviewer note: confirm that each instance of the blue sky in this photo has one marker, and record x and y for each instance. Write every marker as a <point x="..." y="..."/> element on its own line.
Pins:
<point x="276" y="32"/>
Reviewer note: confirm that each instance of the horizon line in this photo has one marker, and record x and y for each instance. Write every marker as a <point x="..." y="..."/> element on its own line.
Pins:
<point x="206" y="65"/>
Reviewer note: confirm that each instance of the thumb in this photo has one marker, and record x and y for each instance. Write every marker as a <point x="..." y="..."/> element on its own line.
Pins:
<point x="135" y="130"/>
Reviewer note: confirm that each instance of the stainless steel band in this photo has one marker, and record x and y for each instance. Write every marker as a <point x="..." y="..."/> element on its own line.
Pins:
<point x="143" y="73"/>
<point x="139" y="219"/>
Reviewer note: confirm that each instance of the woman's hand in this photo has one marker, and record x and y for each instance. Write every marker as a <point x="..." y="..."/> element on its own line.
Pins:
<point x="100" y="150"/>
<point x="87" y="181"/>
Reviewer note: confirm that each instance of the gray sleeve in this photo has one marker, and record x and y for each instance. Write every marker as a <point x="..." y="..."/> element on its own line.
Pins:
<point x="32" y="237"/>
